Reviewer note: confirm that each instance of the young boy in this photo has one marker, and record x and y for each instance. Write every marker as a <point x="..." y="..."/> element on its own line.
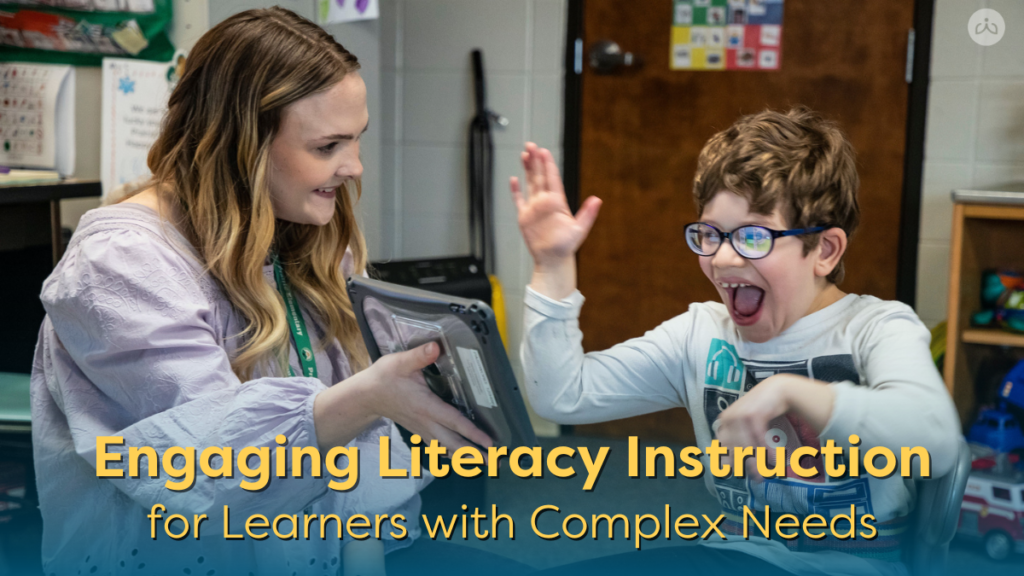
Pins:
<point x="787" y="359"/>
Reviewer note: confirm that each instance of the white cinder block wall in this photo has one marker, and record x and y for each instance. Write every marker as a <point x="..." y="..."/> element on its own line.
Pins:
<point x="975" y="131"/>
<point x="427" y="102"/>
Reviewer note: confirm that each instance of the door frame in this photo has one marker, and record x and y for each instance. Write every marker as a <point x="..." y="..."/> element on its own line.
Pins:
<point x="918" y="60"/>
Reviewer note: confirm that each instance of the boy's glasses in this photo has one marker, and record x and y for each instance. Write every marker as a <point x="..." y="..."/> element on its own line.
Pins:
<point x="751" y="242"/>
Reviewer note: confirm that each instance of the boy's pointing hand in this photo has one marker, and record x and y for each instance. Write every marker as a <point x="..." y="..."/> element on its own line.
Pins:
<point x="746" y="421"/>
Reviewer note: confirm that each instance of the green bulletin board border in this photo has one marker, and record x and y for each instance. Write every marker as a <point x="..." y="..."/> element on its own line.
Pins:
<point x="153" y="26"/>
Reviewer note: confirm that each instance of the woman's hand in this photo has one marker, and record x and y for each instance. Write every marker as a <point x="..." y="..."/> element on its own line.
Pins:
<point x="403" y="396"/>
<point x="552" y="233"/>
<point x="393" y="387"/>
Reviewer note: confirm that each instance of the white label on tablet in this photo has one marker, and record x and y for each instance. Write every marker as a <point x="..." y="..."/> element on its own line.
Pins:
<point x="477" y="376"/>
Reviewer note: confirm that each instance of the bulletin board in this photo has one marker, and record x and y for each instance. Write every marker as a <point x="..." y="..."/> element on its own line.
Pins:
<point x="83" y="32"/>
<point x="726" y="35"/>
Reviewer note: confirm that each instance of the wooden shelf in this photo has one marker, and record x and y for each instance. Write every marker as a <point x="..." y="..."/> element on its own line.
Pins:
<point x="993" y="212"/>
<point x="993" y="336"/>
<point x="984" y="237"/>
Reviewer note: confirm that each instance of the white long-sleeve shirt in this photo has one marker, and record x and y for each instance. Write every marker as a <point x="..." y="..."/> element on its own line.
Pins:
<point x="874" y="353"/>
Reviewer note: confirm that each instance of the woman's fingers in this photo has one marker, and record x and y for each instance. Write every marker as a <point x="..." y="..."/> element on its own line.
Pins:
<point x="412" y="361"/>
<point x="450" y="440"/>
<point x="468" y="430"/>
<point x="441" y="425"/>
<point x="449" y="416"/>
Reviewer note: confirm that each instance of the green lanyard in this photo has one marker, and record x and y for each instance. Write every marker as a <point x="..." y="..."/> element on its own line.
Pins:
<point x="296" y="324"/>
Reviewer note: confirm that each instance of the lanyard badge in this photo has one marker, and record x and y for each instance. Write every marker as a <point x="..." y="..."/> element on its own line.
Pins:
<point x="296" y="324"/>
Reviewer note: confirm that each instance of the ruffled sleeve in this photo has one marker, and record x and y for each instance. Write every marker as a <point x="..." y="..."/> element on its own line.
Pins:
<point x="136" y="342"/>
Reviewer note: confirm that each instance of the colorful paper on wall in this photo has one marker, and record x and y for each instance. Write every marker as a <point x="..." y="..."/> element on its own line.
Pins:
<point x="82" y="36"/>
<point x="37" y="117"/>
<point x="338" y="11"/>
<point x="135" y="95"/>
<point x="137" y="6"/>
<point x="726" y="35"/>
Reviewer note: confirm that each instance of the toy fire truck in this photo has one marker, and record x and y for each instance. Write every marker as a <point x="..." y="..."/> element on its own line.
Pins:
<point x="993" y="511"/>
<point x="993" y="506"/>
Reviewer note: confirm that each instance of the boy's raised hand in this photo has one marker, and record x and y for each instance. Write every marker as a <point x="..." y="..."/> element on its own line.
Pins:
<point x="552" y="233"/>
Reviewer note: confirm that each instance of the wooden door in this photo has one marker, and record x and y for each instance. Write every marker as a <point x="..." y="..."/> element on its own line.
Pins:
<point x="641" y="133"/>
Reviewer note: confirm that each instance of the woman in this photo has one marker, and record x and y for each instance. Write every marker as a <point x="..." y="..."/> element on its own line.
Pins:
<point x="165" y="325"/>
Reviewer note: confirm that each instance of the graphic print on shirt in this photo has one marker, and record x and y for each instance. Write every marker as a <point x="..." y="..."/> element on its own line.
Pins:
<point x="731" y="491"/>
<point x="724" y="367"/>
<point x="792" y="494"/>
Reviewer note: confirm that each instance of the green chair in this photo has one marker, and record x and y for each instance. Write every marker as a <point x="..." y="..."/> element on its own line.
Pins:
<point x="15" y="408"/>
<point x="18" y="507"/>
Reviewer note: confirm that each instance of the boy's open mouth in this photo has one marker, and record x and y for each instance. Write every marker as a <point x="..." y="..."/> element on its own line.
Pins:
<point x="746" y="300"/>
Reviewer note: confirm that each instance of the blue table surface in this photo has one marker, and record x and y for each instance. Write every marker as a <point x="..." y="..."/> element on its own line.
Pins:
<point x="14" y="398"/>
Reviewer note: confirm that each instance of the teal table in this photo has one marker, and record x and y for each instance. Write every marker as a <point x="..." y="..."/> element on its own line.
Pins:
<point x="15" y="408"/>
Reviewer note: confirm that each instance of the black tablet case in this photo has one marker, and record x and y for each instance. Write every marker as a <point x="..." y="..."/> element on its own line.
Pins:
<point x="472" y="372"/>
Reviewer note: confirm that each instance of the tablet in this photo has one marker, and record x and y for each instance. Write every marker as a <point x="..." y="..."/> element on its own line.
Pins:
<point x="472" y="371"/>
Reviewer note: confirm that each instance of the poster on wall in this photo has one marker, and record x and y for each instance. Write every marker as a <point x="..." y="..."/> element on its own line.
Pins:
<point x="726" y="35"/>
<point x="83" y="32"/>
<point x="338" y="11"/>
<point x="136" y="6"/>
<point x="37" y="117"/>
<point x="135" y="96"/>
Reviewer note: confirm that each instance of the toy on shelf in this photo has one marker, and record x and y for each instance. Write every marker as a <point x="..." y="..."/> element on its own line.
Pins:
<point x="1000" y="428"/>
<point x="997" y="429"/>
<point x="993" y="506"/>
<point x="1002" y="300"/>
<point x="1012" y="389"/>
<point x="993" y="511"/>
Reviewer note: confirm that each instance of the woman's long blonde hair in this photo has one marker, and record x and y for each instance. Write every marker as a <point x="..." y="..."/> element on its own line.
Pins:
<point x="213" y="158"/>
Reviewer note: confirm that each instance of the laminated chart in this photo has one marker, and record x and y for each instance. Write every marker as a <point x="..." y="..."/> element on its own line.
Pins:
<point x="726" y="35"/>
<point x="37" y="117"/>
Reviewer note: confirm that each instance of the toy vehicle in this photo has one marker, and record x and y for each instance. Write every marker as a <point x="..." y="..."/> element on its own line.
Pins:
<point x="998" y="430"/>
<point x="993" y="512"/>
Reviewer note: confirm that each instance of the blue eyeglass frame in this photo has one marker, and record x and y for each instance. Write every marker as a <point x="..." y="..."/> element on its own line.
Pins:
<point x="774" y="234"/>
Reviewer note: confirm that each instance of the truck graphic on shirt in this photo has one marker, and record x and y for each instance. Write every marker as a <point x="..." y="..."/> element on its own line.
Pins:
<point x="724" y="373"/>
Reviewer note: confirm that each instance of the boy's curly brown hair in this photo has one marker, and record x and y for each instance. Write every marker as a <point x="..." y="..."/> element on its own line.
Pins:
<point x="796" y="161"/>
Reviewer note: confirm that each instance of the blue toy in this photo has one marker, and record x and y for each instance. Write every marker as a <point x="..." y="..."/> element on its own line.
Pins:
<point x="998" y="430"/>
<point x="1012" y="389"/>
<point x="996" y="427"/>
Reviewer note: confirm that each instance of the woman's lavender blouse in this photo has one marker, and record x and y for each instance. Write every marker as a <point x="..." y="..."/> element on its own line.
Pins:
<point x="136" y="343"/>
